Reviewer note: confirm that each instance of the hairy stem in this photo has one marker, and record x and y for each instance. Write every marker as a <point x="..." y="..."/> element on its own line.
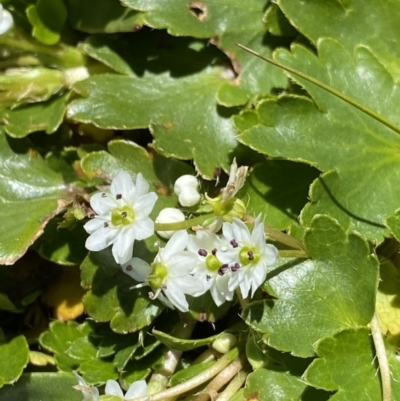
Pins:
<point x="382" y="359"/>
<point x="210" y="391"/>
<point x="293" y="254"/>
<point x="203" y="377"/>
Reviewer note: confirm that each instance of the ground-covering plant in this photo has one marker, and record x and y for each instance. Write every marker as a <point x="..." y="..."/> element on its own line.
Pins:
<point x="199" y="200"/>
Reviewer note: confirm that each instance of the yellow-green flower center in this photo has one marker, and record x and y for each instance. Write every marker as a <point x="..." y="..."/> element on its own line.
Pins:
<point x="212" y="263"/>
<point x="157" y="276"/>
<point x="123" y="215"/>
<point x="249" y="255"/>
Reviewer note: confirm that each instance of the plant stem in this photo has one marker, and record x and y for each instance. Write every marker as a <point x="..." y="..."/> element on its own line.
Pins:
<point x="210" y="391"/>
<point x="293" y="254"/>
<point x="283" y="238"/>
<point x="183" y="225"/>
<point x="382" y="359"/>
<point x="160" y="377"/>
<point x="195" y="381"/>
<point x="234" y="385"/>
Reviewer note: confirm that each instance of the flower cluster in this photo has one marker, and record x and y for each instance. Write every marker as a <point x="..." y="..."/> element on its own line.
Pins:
<point x="188" y="264"/>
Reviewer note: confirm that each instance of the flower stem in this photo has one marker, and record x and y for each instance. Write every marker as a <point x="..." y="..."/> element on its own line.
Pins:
<point x="195" y="381"/>
<point x="210" y="391"/>
<point x="183" y="225"/>
<point x="283" y="238"/>
<point x="382" y="359"/>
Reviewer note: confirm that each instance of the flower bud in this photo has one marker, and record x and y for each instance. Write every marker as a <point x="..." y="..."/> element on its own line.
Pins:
<point x="169" y="215"/>
<point x="186" y="189"/>
<point x="224" y="343"/>
<point x="6" y="20"/>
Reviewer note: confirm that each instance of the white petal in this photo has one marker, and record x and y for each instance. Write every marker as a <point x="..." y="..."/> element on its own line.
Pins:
<point x="139" y="270"/>
<point x="113" y="388"/>
<point x="241" y="232"/>
<point x="80" y="379"/>
<point x="180" y="263"/>
<point x="101" y="239"/>
<point x="122" y="249"/>
<point x="142" y="186"/>
<point x="93" y="225"/>
<point x="143" y="228"/>
<point x="122" y="184"/>
<point x="258" y="275"/>
<point x="144" y="205"/>
<point x="190" y="285"/>
<point x="176" y="244"/>
<point x="228" y="257"/>
<point x="176" y="297"/>
<point x="258" y="236"/>
<point x="95" y="395"/>
<point x="136" y="389"/>
<point x="217" y="296"/>
<point x="270" y="254"/>
<point x="203" y="240"/>
<point x="227" y="231"/>
<point x="6" y="21"/>
<point x="102" y="203"/>
<point x="222" y="284"/>
<point x="245" y="285"/>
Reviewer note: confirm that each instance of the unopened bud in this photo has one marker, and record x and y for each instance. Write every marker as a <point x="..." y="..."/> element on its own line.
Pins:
<point x="6" y="20"/>
<point x="169" y="215"/>
<point x="186" y="189"/>
<point x="224" y="343"/>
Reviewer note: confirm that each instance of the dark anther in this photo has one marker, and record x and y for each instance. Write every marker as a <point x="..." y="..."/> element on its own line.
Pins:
<point x="251" y="255"/>
<point x="208" y="278"/>
<point x="105" y="224"/>
<point x="223" y="269"/>
<point x="235" y="267"/>
<point x="202" y="252"/>
<point x="118" y="196"/>
<point x="91" y="215"/>
<point x="234" y="243"/>
<point x="214" y="251"/>
<point x="129" y="268"/>
<point x="124" y="214"/>
<point x="103" y="195"/>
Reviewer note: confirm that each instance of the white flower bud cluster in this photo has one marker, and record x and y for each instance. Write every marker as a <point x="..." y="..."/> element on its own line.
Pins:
<point x="186" y="187"/>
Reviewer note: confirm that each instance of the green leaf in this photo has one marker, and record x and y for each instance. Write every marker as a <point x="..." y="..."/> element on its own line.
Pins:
<point x="276" y="22"/>
<point x="44" y="116"/>
<point x="41" y="386"/>
<point x="335" y="289"/>
<point x="376" y="24"/>
<point x="165" y="105"/>
<point x="108" y="298"/>
<point x="182" y="344"/>
<point x="269" y="385"/>
<point x="82" y="349"/>
<point x="295" y="128"/>
<point x="7" y="305"/>
<point x="61" y="245"/>
<point x="98" y="16"/>
<point x="123" y="356"/>
<point x="14" y="358"/>
<point x="30" y="195"/>
<point x="96" y="371"/>
<point x="58" y="340"/>
<point x="346" y="365"/>
<point x="226" y="24"/>
<point x="47" y="18"/>
<point x="277" y="189"/>
<point x="158" y="170"/>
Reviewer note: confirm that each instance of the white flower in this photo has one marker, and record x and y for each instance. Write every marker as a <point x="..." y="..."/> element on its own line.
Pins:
<point x="122" y="216"/>
<point x="169" y="215"/>
<point x="6" y="20"/>
<point x="169" y="273"/>
<point x="251" y="253"/>
<point x="136" y="389"/>
<point x="89" y="392"/>
<point x="214" y="274"/>
<point x="186" y="189"/>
